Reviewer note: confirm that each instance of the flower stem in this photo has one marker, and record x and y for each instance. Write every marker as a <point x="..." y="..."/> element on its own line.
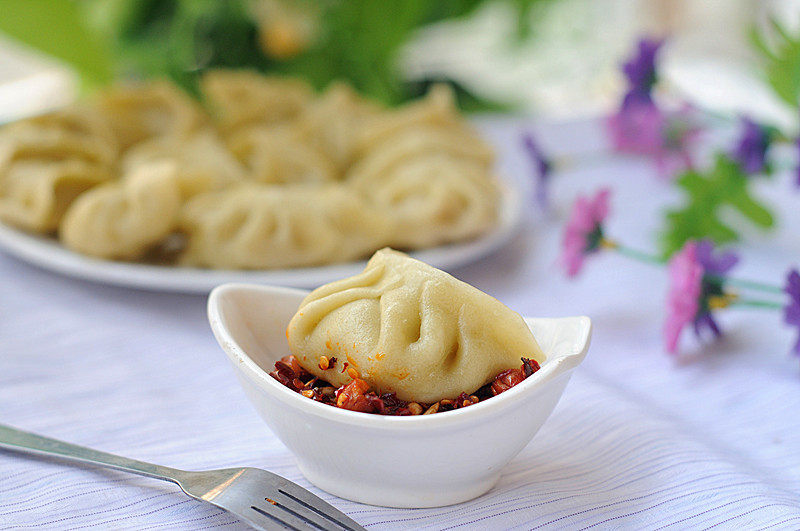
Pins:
<point x="643" y="256"/>
<point x="748" y="284"/>
<point x="718" y="118"/>
<point x="632" y="253"/>
<point x="752" y="303"/>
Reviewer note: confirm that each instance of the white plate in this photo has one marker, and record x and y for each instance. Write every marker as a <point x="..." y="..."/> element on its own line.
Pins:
<point x="49" y="254"/>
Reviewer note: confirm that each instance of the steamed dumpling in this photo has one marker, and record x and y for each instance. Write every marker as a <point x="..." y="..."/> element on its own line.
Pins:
<point x="77" y="132"/>
<point x="126" y="218"/>
<point x="47" y="161"/>
<point x="155" y="109"/>
<point x="437" y="110"/>
<point x="34" y="194"/>
<point x="241" y="98"/>
<point x="436" y="199"/>
<point x="31" y="141"/>
<point x="409" y="328"/>
<point x="332" y="123"/>
<point x="415" y="143"/>
<point x="424" y="165"/>
<point x="202" y="161"/>
<point x="257" y="226"/>
<point x="277" y="155"/>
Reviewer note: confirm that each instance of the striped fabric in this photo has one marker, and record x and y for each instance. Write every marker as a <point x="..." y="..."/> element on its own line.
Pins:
<point x="638" y="440"/>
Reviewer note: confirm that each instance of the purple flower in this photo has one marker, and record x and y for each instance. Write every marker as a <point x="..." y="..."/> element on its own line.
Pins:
<point x="797" y="174"/>
<point x="640" y="127"/>
<point x="640" y="70"/>
<point x="541" y="167"/>
<point x="637" y="97"/>
<point x="715" y="265"/>
<point x="714" y="269"/>
<point x="791" y="312"/>
<point x="751" y="148"/>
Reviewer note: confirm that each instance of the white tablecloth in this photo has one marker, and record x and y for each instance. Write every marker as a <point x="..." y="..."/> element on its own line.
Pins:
<point x="638" y="440"/>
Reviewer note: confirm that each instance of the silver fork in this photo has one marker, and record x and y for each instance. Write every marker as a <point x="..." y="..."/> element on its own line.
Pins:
<point x="260" y="498"/>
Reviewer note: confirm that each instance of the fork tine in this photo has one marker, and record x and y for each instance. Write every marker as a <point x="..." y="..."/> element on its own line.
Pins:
<point x="311" y="506"/>
<point x="266" y="522"/>
<point x="268" y="516"/>
<point x="324" y="521"/>
<point x="310" y="519"/>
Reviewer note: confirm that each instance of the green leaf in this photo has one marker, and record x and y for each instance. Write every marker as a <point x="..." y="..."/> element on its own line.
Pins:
<point x="781" y="62"/>
<point x="182" y="38"/>
<point x="725" y="184"/>
<point x="757" y="40"/>
<point x="58" y="28"/>
<point x="356" y="40"/>
<point x="752" y="210"/>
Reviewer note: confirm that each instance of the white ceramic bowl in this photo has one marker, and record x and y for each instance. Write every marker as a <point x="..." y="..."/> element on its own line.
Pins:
<point x="421" y="461"/>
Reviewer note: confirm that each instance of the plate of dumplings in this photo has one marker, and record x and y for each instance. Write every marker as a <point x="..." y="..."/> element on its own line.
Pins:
<point x="261" y="180"/>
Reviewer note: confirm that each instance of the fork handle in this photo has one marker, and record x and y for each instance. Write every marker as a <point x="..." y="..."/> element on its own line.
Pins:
<point x="22" y="441"/>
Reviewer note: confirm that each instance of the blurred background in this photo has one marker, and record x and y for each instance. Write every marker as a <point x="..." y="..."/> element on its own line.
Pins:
<point x="554" y="59"/>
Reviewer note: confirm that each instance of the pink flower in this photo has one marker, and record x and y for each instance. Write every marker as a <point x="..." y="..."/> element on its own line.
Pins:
<point x="584" y="231"/>
<point x="683" y="298"/>
<point x="640" y="127"/>
<point x="697" y="284"/>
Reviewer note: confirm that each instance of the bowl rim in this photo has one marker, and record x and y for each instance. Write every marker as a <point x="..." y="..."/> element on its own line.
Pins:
<point x="246" y="366"/>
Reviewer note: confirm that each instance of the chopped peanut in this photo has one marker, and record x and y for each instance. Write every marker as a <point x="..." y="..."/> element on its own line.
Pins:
<point x="324" y="363"/>
<point x="415" y="408"/>
<point x="433" y="409"/>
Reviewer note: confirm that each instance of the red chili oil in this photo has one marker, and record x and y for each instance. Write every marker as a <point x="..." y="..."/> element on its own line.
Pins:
<point x="357" y="395"/>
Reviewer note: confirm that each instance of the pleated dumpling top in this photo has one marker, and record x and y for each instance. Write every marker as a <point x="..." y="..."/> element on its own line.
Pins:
<point x="409" y="328"/>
